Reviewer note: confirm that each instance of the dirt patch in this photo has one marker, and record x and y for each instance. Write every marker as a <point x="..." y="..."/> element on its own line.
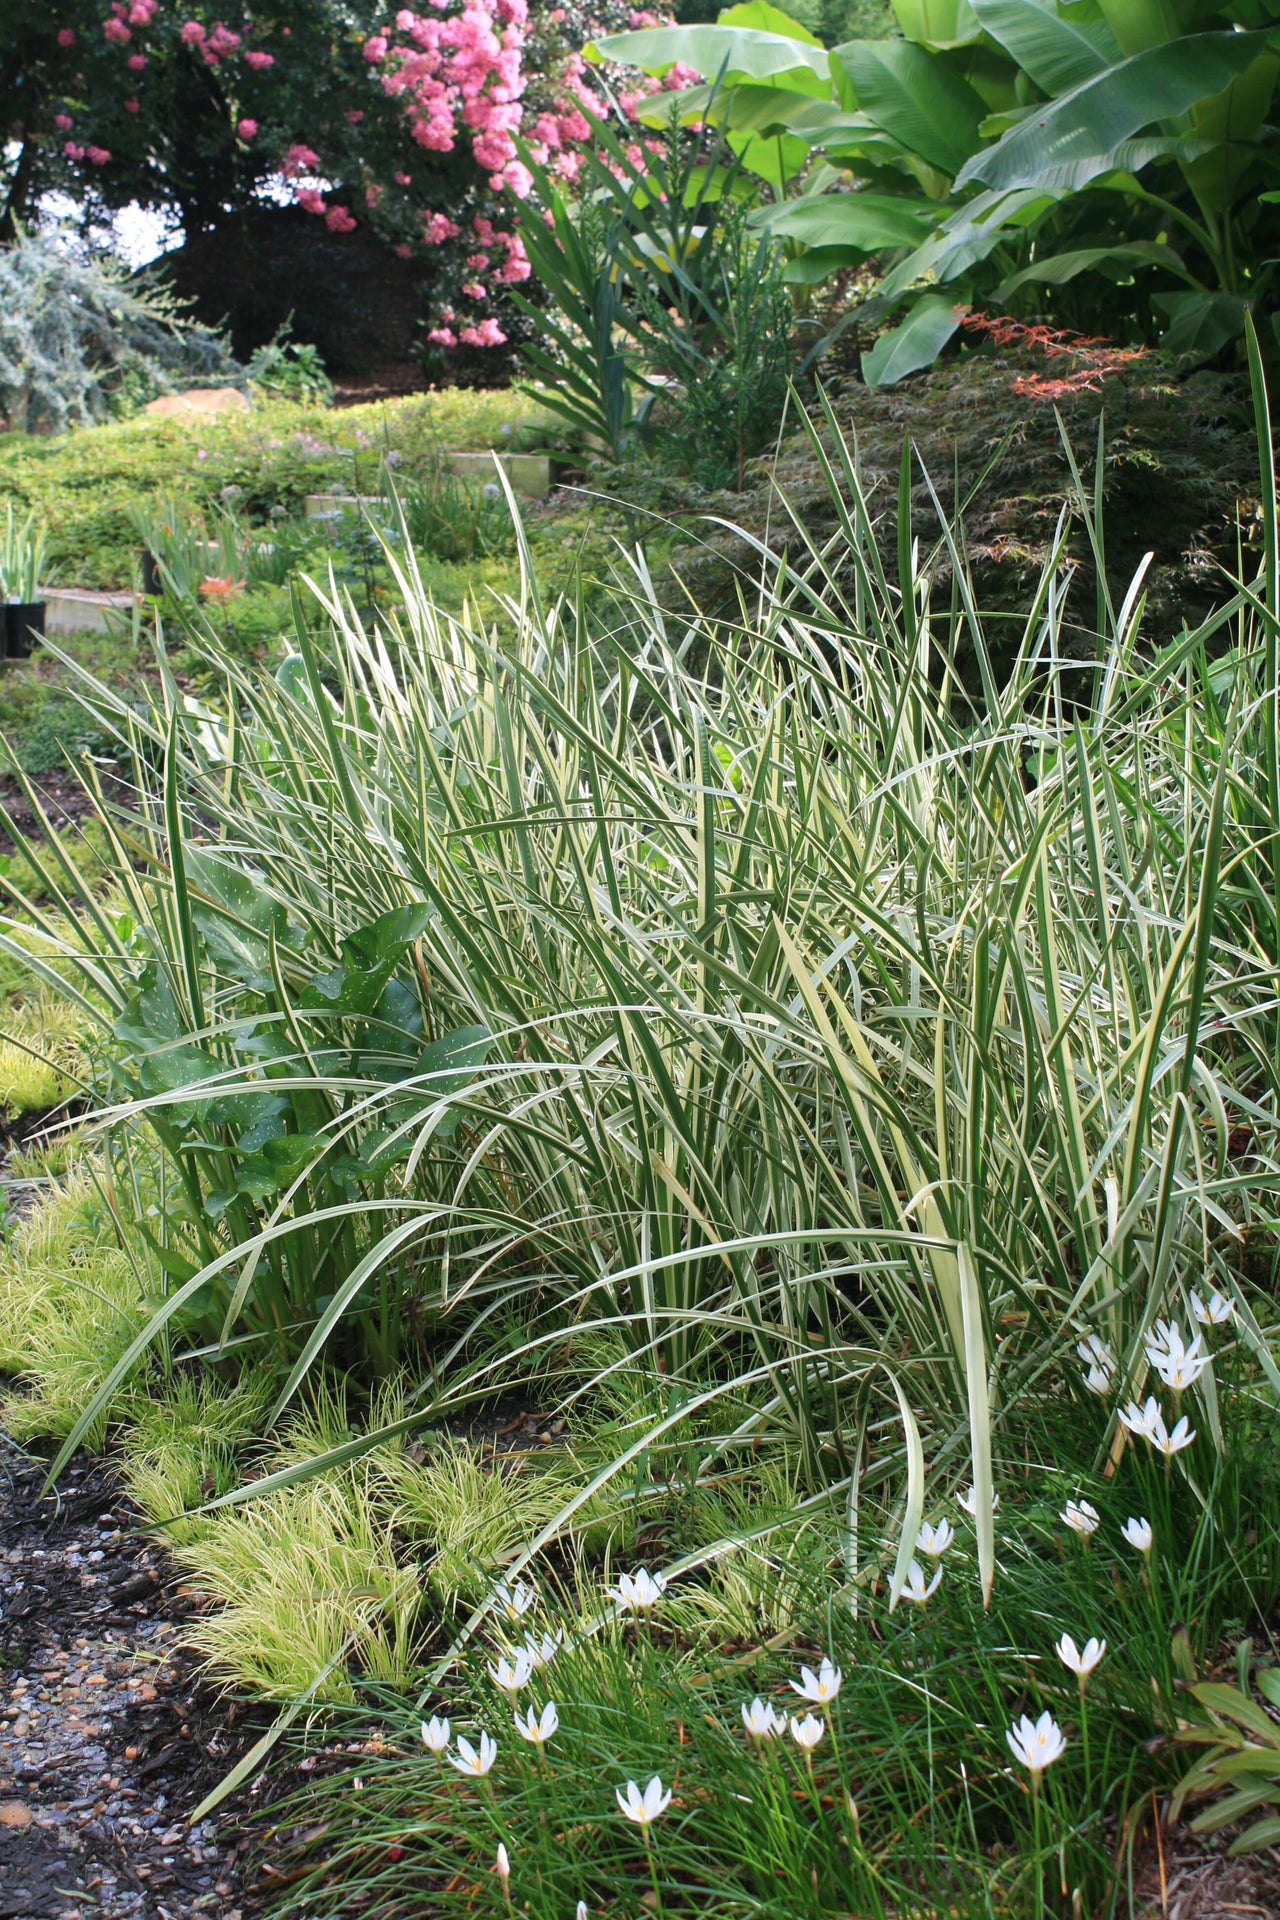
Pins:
<point x="63" y="799"/>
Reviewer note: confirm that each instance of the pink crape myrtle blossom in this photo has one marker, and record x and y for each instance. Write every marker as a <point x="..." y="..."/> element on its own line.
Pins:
<point x="298" y="159"/>
<point x="494" y="82"/>
<point x="438" y="228"/>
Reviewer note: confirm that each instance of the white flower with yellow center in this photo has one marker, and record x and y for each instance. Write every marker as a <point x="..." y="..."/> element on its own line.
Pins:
<point x="1037" y="1744"/>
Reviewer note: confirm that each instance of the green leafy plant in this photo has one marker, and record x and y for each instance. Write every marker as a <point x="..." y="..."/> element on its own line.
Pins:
<point x="1241" y="1766"/>
<point x="455" y="519"/>
<point x="1004" y="152"/>
<point x="22" y="557"/>
<point x="731" y="373"/>
<point x="292" y="369"/>
<point x="588" y="380"/>
<point x="656" y="286"/>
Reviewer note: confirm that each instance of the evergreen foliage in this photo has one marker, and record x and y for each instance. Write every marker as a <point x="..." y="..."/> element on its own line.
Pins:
<point x="80" y="339"/>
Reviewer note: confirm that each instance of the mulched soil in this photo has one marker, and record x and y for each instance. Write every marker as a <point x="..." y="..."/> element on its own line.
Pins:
<point x="108" y="1739"/>
<point x="64" y="800"/>
<point x="1185" y="1882"/>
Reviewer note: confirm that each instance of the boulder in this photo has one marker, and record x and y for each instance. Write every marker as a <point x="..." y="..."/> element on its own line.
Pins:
<point x="196" y="400"/>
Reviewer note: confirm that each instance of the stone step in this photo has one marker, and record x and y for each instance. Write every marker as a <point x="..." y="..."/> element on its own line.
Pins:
<point x="78" y="610"/>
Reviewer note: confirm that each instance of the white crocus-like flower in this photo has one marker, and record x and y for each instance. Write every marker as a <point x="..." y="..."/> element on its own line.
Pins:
<point x="1096" y="1353"/>
<point x="580" y="1912"/>
<point x="1098" y="1381"/>
<point x="1160" y="1336"/>
<point x="543" y="1652"/>
<point x="935" y="1540"/>
<point x="1138" y="1419"/>
<point x="1178" y="1365"/>
<point x="515" y="1601"/>
<point x="969" y="1502"/>
<point x="1037" y="1744"/>
<point x="1148" y="1421"/>
<point x="536" y="1728"/>
<point x="916" y="1588"/>
<point x="1216" y="1314"/>
<point x="1080" y="1517"/>
<point x="435" y="1734"/>
<point x="514" y="1673"/>
<point x="468" y="1760"/>
<point x="1170" y="1443"/>
<point x="807" y="1732"/>
<point x="644" y="1808"/>
<point x="1081" y="1660"/>
<point x="1139" y="1534"/>
<point x="820" y="1688"/>
<point x="761" y="1720"/>
<point x="637" y="1592"/>
<point x="503" y="1864"/>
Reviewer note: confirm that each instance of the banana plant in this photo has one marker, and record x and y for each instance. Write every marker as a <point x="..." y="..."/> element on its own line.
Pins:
<point x="1108" y="158"/>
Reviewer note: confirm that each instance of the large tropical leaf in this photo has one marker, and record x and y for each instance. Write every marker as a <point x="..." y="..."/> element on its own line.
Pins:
<point x="868" y="221"/>
<point x="760" y="17"/>
<point x="739" y="52"/>
<point x="966" y="238"/>
<point x="937" y="23"/>
<point x="915" y="344"/>
<point x="1121" y="258"/>
<point x="1088" y="124"/>
<point x="914" y="97"/>
<point x="1057" y="52"/>
<point x="1199" y="323"/>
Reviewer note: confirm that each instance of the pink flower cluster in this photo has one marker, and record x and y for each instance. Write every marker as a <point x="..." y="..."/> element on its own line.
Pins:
<point x="459" y="71"/>
<point x="456" y="71"/>
<point x="213" y="45"/>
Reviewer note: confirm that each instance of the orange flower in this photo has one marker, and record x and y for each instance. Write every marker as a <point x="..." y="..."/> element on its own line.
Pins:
<point x="216" y="589"/>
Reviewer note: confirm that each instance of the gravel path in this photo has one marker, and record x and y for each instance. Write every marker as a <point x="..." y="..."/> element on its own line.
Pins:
<point x="107" y="1739"/>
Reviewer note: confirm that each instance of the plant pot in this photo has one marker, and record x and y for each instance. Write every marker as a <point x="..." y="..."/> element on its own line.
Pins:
<point x="152" y="585"/>
<point x="23" y="627"/>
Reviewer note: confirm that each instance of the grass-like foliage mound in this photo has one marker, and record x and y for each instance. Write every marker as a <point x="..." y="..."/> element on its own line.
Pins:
<point x="834" y="1077"/>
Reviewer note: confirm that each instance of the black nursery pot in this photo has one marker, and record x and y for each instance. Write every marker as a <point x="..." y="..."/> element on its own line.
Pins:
<point x="23" y="627"/>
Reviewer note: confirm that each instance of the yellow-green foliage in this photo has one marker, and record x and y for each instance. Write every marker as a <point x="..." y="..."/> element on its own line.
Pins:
<point x="181" y="1447"/>
<point x="42" y="1060"/>
<point x="70" y="1303"/>
<point x="88" y="481"/>
<point x="475" y="1517"/>
<point x="302" y="1579"/>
